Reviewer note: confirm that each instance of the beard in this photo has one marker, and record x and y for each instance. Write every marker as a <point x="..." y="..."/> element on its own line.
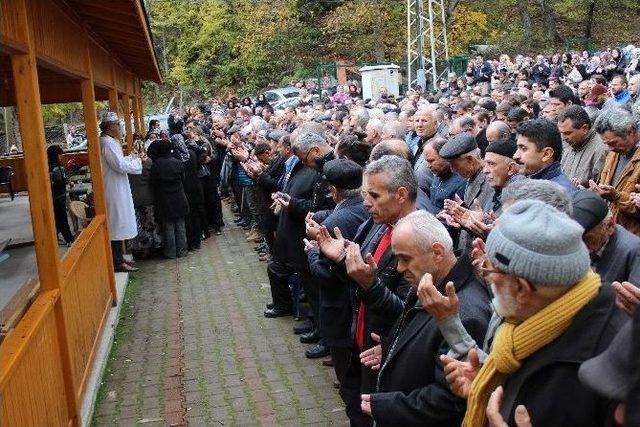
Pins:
<point x="505" y="305"/>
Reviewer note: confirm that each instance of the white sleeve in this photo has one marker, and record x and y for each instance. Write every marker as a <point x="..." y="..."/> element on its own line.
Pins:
<point x="122" y="164"/>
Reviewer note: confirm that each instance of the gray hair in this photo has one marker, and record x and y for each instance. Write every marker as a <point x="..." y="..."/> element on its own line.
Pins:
<point x="538" y="189"/>
<point x="616" y="120"/>
<point x="376" y="124"/>
<point x="465" y="123"/>
<point x="258" y="124"/>
<point x="311" y="127"/>
<point x="398" y="173"/>
<point x="390" y="147"/>
<point x="427" y="230"/>
<point x="394" y="129"/>
<point x="306" y="141"/>
<point x="593" y="112"/>
<point x="362" y="115"/>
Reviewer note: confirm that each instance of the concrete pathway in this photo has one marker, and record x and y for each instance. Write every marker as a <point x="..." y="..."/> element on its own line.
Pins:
<point x="193" y="348"/>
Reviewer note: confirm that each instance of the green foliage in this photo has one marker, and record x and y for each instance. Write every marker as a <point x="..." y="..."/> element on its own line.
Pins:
<point x="217" y="47"/>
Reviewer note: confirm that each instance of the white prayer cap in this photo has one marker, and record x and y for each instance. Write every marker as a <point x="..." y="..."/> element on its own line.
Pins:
<point x="109" y="117"/>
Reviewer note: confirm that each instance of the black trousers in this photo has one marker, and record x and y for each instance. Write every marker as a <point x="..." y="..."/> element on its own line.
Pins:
<point x="194" y="224"/>
<point x="279" y="274"/>
<point x="62" y="222"/>
<point x="117" y="252"/>
<point x="212" y="204"/>
<point x="346" y="364"/>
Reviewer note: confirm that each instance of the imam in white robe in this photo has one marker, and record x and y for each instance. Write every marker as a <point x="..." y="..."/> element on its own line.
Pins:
<point x="115" y="168"/>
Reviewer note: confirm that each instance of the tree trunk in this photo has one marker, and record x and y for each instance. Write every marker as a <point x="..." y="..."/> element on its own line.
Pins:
<point x="590" y="13"/>
<point x="549" y="17"/>
<point x="526" y="22"/>
<point x="12" y="132"/>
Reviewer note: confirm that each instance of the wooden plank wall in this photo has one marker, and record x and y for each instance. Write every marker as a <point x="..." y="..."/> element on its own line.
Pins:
<point x="45" y="362"/>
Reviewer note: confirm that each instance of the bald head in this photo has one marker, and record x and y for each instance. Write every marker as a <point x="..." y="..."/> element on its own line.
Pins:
<point x="390" y="147"/>
<point x="498" y="131"/>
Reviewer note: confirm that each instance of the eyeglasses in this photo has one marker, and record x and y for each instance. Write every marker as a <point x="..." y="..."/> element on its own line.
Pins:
<point x="486" y="268"/>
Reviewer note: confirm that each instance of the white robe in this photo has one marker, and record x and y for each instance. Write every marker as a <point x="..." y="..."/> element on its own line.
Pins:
<point x="115" y="167"/>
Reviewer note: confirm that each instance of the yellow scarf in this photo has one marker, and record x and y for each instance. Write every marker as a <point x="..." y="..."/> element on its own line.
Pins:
<point x="515" y="343"/>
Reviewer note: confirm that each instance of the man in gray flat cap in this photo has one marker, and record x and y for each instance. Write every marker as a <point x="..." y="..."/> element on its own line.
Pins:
<point x="464" y="155"/>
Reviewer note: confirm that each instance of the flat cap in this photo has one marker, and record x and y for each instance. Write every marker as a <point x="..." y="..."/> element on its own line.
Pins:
<point x="343" y="174"/>
<point x="589" y="209"/>
<point x="505" y="148"/>
<point x="458" y="145"/>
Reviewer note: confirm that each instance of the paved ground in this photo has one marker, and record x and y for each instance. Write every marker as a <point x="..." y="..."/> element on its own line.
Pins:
<point x="193" y="348"/>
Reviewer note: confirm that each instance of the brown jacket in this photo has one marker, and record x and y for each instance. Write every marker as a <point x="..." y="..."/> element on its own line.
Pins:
<point x="628" y="213"/>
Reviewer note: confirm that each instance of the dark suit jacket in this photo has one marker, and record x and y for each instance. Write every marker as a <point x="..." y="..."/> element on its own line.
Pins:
<point x="620" y="259"/>
<point x="336" y="309"/>
<point x="547" y="383"/>
<point x="288" y="247"/>
<point x="412" y="390"/>
<point x="367" y="237"/>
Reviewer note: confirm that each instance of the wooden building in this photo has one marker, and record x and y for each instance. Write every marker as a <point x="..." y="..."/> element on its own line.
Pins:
<point x="57" y="51"/>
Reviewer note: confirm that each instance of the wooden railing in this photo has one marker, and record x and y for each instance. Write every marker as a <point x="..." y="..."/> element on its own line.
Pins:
<point x="32" y="386"/>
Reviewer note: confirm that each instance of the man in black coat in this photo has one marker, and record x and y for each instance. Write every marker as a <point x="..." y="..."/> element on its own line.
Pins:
<point x="390" y="189"/>
<point x="411" y="387"/>
<point x="336" y="309"/>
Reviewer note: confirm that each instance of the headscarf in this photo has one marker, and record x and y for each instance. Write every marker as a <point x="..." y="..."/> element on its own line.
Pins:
<point x="180" y="146"/>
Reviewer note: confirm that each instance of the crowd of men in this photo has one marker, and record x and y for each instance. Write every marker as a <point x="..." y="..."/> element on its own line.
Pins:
<point x="468" y="256"/>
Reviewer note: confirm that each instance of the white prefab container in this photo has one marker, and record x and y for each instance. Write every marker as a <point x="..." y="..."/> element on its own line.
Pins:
<point x="375" y="77"/>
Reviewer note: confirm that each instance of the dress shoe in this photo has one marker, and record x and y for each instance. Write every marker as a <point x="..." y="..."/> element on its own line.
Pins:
<point x="264" y="257"/>
<point x="275" y="312"/>
<point x="317" y="351"/>
<point x="125" y="268"/>
<point x="309" y="338"/>
<point x="303" y="328"/>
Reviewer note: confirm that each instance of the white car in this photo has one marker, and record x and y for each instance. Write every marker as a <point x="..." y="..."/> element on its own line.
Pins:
<point x="275" y="97"/>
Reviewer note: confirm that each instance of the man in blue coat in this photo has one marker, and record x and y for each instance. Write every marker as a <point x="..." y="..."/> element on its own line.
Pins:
<point x="336" y="309"/>
<point x="539" y="150"/>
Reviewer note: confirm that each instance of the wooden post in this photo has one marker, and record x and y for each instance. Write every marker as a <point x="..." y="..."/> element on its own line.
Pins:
<point x="126" y="115"/>
<point x="113" y="101"/>
<point x="95" y="163"/>
<point x="27" y="95"/>
<point x="141" y="107"/>
<point x="136" y="116"/>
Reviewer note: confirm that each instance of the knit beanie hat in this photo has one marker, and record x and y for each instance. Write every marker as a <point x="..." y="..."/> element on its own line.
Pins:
<point x="539" y="243"/>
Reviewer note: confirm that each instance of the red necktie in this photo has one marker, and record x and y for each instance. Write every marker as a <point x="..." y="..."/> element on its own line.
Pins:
<point x="383" y="245"/>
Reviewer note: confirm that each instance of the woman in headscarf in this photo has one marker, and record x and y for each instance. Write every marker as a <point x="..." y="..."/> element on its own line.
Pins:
<point x="148" y="241"/>
<point x="59" y="192"/>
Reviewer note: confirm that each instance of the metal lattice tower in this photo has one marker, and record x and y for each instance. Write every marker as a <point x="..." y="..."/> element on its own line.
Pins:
<point x="427" y="47"/>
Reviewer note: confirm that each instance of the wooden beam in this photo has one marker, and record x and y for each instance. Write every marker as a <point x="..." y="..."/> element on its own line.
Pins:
<point x="95" y="163"/>
<point x="126" y="115"/>
<point x="27" y="94"/>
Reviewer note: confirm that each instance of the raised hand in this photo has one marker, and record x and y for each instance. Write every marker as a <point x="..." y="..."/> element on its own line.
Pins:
<point x="311" y="227"/>
<point x="627" y="296"/>
<point x="521" y="415"/>
<point x="478" y="255"/>
<point x="309" y="244"/>
<point x="433" y="302"/>
<point x="365" y="404"/>
<point x="332" y="248"/>
<point x="372" y="358"/>
<point x="459" y="374"/>
<point x="362" y="271"/>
